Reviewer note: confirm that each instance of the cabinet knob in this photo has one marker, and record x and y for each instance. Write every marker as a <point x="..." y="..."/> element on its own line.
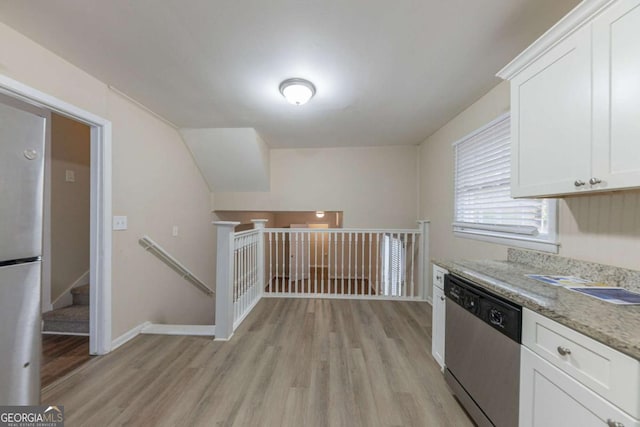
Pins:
<point x="563" y="351"/>
<point x="579" y="183"/>
<point x="441" y="298"/>
<point x="594" y="181"/>
<point x="612" y="423"/>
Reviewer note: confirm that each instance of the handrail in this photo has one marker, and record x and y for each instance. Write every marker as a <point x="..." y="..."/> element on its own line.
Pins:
<point x="149" y="245"/>
<point x="343" y="230"/>
<point x="245" y="232"/>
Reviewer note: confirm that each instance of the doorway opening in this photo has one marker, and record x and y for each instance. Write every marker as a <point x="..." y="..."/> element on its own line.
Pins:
<point x="99" y="276"/>
<point x="66" y="267"/>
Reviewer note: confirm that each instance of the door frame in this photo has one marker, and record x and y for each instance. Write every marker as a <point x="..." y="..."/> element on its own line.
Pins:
<point x="100" y="241"/>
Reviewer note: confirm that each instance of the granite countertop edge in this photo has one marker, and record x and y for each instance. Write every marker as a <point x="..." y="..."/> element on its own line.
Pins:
<point x="554" y="303"/>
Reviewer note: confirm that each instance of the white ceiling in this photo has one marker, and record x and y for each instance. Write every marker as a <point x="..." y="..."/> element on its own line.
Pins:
<point x="386" y="72"/>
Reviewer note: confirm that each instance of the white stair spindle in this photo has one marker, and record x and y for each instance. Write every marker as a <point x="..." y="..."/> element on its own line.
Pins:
<point x="335" y="263"/>
<point x="329" y="262"/>
<point x="270" y="264"/>
<point x="322" y="264"/>
<point x="378" y="265"/>
<point x="342" y="239"/>
<point x="308" y="271"/>
<point x="361" y="290"/>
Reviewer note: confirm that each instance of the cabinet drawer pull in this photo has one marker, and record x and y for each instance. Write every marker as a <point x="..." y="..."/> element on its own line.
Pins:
<point x="594" y="181"/>
<point x="612" y="423"/>
<point x="579" y="183"/>
<point x="563" y="351"/>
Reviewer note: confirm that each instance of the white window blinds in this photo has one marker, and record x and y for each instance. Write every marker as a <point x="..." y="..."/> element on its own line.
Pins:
<point x="483" y="202"/>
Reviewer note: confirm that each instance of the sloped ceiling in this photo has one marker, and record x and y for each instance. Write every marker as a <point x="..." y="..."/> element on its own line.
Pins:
<point x="230" y="160"/>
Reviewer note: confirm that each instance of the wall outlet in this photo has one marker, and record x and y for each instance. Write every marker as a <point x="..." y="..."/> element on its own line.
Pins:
<point x="119" y="222"/>
<point x="174" y="231"/>
<point x="69" y="175"/>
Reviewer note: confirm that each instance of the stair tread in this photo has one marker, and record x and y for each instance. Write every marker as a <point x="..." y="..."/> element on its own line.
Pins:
<point x="71" y="313"/>
<point x="84" y="289"/>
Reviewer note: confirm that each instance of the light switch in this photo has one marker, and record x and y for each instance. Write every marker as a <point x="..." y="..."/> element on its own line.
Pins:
<point x="69" y="175"/>
<point x="119" y="222"/>
<point x="174" y="231"/>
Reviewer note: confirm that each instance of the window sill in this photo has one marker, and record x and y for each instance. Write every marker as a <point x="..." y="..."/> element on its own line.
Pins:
<point x="515" y="241"/>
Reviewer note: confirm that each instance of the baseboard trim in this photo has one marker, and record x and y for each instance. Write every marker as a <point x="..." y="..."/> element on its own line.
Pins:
<point x="223" y="339"/>
<point x="129" y="335"/>
<point x="195" y="330"/>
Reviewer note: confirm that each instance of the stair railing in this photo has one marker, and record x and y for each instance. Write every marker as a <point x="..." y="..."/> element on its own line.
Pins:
<point x="151" y="246"/>
<point x="384" y="264"/>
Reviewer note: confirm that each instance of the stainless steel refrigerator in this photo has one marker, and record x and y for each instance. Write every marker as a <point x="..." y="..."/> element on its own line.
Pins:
<point x="22" y="136"/>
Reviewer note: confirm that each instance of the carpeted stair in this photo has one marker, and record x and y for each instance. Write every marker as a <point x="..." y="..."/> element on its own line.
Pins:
<point x="71" y="319"/>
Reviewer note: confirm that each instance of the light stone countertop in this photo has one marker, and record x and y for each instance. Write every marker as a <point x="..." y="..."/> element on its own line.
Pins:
<point x="617" y="326"/>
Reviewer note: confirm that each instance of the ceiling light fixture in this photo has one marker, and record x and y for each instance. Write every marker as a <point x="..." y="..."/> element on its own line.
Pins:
<point x="297" y="91"/>
<point x="320" y="214"/>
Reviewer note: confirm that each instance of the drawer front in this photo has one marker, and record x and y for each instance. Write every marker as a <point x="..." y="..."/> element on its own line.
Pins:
<point x="549" y="397"/>
<point x="609" y="373"/>
<point x="438" y="276"/>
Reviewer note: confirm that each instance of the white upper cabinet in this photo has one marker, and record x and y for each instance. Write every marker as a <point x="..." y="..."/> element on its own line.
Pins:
<point x="574" y="104"/>
<point x="616" y="73"/>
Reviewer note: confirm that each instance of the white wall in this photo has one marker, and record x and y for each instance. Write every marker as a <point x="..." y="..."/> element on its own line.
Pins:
<point x="601" y="228"/>
<point x="375" y="187"/>
<point x="155" y="183"/>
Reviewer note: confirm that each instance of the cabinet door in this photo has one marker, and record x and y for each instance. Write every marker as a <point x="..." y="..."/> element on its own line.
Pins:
<point x="437" y="334"/>
<point x="549" y="397"/>
<point x="551" y="120"/>
<point x="616" y="59"/>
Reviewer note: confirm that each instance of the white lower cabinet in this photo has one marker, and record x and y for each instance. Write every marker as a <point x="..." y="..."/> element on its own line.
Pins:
<point x="549" y="397"/>
<point x="437" y="342"/>
<point x="438" y="315"/>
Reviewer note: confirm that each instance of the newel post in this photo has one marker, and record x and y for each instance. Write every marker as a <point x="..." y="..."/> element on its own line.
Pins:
<point x="423" y="260"/>
<point x="260" y="224"/>
<point x="224" y="279"/>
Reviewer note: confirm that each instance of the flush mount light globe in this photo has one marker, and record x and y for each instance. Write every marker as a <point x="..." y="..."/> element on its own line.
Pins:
<point x="297" y="91"/>
<point x="320" y="214"/>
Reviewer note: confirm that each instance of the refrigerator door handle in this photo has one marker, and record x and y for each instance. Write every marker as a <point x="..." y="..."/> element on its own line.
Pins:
<point x="20" y="261"/>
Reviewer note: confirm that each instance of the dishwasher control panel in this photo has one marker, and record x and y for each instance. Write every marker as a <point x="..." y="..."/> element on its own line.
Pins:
<point x="500" y="314"/>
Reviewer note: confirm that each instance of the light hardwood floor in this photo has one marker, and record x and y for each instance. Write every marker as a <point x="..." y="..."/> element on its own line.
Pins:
<point x="293" y="362"/>
<point x="62" y="354"/>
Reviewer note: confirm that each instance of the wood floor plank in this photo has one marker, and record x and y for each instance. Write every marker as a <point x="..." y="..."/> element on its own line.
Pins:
<point x="293" y="362"/>
<point x="62" y="354"/>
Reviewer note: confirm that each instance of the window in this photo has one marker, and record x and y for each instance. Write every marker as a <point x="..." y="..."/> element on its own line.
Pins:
<point x="484" y="208"/>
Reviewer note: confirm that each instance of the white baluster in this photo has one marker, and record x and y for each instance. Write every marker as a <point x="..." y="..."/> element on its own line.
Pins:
<point x="349" y="276"/>
<point x="308" y="271"/>
<point x="270" y="264"/>
<point x="369" y="275"/>
<point x="423" y="261"/>
<point x="361" y="290"/>
<point x="315" y="268"/>
<point x="378" y="264"/>
<point x="342" y="263"/>
<point x="413" y="246"/>
<point x="335" y="262"/>
<point x="403" y="267"/>
<point x="284" y="260"/>
<point x="322" y="265"/>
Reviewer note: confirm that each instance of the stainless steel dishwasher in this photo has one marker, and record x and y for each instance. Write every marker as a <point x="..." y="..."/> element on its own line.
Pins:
<point x="482" y="352"/>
